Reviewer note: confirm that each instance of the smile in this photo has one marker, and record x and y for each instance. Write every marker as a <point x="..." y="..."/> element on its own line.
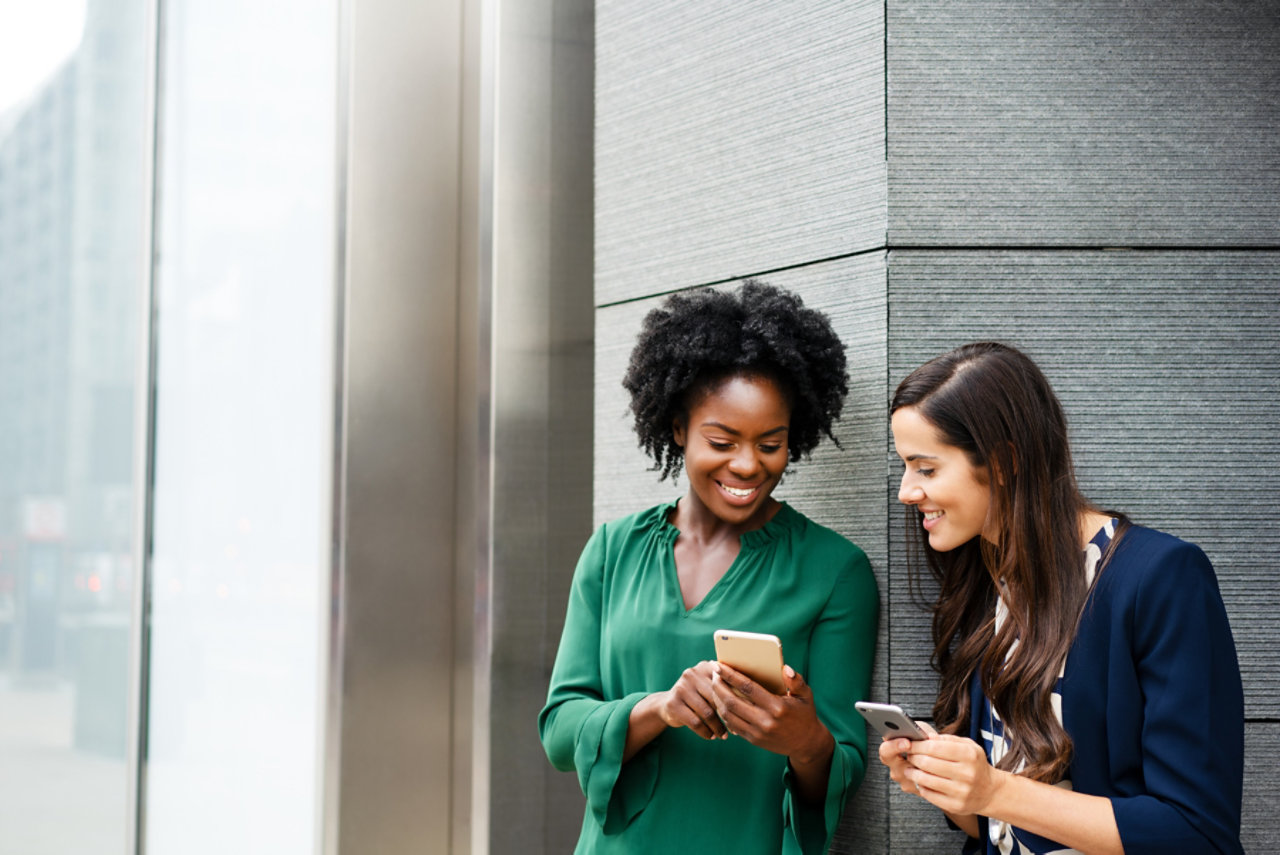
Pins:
<point x="933" y="515"/>
<point x="738" y="492"/>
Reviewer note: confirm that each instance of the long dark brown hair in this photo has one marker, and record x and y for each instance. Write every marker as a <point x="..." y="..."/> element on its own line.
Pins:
<point x="993" y="403"/>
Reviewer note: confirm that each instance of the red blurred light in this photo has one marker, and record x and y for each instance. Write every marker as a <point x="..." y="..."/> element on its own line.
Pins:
<point x="95" y="584"/>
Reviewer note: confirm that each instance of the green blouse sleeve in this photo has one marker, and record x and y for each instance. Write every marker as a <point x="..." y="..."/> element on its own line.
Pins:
<point x="581" y="729"/>
<point x="840" y="658"/>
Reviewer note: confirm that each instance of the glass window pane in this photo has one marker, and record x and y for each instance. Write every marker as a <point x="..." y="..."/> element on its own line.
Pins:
<point x="73" y="238"/>
<point x="244" y="414"/>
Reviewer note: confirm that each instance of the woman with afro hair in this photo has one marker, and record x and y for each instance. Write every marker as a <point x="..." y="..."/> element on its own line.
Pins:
<point x="674" y="751"/>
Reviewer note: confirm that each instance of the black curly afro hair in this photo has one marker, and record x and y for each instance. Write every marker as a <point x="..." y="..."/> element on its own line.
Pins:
<point x="698" y="339"/>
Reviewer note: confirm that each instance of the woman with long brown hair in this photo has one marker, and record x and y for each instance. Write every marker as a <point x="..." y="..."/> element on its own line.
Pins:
<point x="1089" y="693"/>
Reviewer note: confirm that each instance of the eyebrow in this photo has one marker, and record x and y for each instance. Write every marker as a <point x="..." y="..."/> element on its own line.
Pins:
<point x="727" y="429"/>
<point x="911" y="458"/>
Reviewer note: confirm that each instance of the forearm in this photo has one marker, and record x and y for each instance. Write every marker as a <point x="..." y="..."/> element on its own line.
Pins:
<point x="1083" y="822"/>
<point x="643" y="725"/>
<point x="811" y="769"/>
<point x="966" y="822"/>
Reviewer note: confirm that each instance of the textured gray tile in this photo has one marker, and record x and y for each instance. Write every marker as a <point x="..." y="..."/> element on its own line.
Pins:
<point x="734" y="137"/>
<point x="1088" y="123"/>
<point x="1167" y="364"/>
<point x="917" y="827"/>
<point x="1258" y="828"/>
<point x="623" y="478"/>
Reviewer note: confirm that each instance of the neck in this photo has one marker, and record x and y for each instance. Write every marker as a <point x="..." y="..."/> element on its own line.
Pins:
<point x="1090" y="522"/>
<point x="693" y="519"/>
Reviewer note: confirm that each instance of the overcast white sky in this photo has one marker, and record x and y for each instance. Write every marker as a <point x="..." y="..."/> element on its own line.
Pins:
<point x="35" y="37"/>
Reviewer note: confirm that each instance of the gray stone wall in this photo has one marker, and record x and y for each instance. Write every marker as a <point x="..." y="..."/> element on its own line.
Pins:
<point x="1097" y="183"/>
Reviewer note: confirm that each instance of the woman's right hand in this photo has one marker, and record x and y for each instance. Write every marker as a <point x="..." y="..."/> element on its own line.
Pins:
<point x="893" y="754"/>
<point x="691" y="703"/>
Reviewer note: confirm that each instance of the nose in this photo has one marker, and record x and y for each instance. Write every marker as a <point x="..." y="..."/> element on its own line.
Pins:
<point x="745" y="463"/>
<point x="909" y="492"/>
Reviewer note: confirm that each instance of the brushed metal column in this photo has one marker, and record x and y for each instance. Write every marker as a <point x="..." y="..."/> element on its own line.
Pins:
<point x="464" y="488"/>
<point x="543" y="333"/>
<point x="389" y="763"/>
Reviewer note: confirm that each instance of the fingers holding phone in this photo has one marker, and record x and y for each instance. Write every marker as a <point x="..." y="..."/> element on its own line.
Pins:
<point x="896" y="754"/>
<point x="749" y="676"/>
<point x="786" y="724"/>
<point x="740" y="697"/>
<point x="691" y="703"/>
<point x="898" y="730"/>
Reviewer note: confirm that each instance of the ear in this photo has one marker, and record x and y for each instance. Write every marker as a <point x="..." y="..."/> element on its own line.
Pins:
<point x="678" y="432"/>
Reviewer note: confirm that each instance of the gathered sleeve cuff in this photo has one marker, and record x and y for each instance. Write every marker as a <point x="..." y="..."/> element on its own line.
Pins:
<point x="616" y="794"/>
<point x="811" y="826"/>
<point x="581" y="730"/>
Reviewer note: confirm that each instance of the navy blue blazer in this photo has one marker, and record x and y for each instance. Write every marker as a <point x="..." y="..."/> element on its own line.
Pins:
<point x="1152" y="699"/>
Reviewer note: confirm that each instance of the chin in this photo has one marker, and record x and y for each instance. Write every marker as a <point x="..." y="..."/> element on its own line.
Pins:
<point x="735" y="514"/>
<point x="941" y="544"/>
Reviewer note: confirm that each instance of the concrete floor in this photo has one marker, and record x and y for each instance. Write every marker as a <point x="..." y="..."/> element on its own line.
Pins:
<point x="55" y="799"/>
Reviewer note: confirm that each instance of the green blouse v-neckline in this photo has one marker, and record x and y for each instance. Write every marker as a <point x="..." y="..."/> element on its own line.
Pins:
<point x="750" y="542"/>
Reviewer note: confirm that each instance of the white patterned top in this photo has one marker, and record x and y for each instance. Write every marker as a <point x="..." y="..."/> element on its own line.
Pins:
<point x="1003" y="838"/>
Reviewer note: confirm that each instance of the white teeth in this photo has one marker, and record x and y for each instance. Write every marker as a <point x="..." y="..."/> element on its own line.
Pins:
<point x="933" y="515"/>
<point x="734" y="491"/>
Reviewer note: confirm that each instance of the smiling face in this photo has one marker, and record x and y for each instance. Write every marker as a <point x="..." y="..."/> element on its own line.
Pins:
<point x="735" y="449"/>
<point x="952" y="493"/>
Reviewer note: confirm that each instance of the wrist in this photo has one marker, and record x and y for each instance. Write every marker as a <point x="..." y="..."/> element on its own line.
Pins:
<point x="650" y="708"/>
<point x="1002" y="783"/>
<point x="817" y="753"/>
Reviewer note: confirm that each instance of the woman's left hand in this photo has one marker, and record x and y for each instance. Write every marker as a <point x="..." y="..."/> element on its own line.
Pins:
<point x="784" y="724"/>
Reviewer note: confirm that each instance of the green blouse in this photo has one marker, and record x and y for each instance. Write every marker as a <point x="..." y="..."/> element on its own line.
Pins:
<point x="627" y="634"/>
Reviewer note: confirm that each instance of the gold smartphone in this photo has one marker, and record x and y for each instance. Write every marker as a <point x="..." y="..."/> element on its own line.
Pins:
<point x="756" y="654"/>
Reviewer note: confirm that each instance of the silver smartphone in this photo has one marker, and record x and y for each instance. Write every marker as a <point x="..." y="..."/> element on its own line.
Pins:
<point x="890" y="720"/>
